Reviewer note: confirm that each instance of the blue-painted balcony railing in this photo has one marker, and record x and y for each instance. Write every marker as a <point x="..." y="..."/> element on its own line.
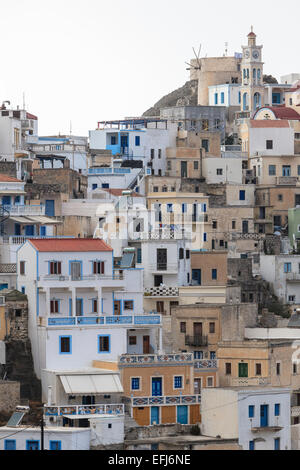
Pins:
<point x="106" y="320"/>
<point x="28" y="209"/>
<point x="108" y="170"/>
<point x="115" y="409"/>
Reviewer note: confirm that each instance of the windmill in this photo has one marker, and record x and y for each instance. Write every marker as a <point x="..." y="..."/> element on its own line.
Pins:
<point x="198" y="60"/>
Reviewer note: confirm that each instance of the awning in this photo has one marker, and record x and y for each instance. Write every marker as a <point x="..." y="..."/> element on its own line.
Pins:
<point x="91" y="384"/>
<point x="21" y="220"/>
<point x="34" y="219"/>
<point x="13" y="192"/>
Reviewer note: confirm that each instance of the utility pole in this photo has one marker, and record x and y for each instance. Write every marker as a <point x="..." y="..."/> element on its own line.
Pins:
<point x="42" y="433"/>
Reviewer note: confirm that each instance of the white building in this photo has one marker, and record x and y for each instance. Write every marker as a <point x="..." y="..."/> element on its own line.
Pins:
<point x="143" y="139"/>
<point x="76" y="298"/>
<point x="225" y="95"/>
<point x="258" y="417"/>
<point x="283" y="273"/>
<point x="270" y="137"/>
<point x="223" y="170"/>
<point x="74" y="148"/>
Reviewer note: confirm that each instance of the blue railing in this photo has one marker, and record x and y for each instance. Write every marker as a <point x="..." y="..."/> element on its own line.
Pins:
<point x="99" y="171"/>
<point x="107" y="320"/>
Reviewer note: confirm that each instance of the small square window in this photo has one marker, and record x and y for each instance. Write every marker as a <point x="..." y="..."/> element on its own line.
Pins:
<point x="280" y="197"/>
<point x="132" y="340"/>
<point x="269" y="144"/>
<point x="220" y="171"/>
<point x="178" y="381"/>
<point x="135" y="383"/>
<point x="128" y="304"/>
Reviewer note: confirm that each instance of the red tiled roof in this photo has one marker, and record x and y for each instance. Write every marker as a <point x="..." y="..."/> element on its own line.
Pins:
<point x="69" y="244"/>
<point x="31" y="116"/>
<point x="118" y="192"/>
<point x="9" y="179"/>
<point x="251" y="34"/>
<point x="269" y="123"/>
<point x="282" y="112"/>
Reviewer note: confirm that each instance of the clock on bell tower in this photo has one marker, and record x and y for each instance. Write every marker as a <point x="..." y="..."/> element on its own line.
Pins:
<point x="252" y="89"/>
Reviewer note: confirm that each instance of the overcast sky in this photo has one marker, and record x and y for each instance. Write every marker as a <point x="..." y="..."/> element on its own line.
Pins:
<point x="90" y="60"/>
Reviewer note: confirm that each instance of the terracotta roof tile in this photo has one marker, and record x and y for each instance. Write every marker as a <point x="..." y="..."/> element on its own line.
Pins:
<point x="8" y="179"/>
<point x="264" y="123"/>
<point x="69" y="244"/>
<point x="282" y="112"/>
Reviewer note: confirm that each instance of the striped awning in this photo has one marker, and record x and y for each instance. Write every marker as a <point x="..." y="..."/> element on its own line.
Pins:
<point x="91" y="384"/>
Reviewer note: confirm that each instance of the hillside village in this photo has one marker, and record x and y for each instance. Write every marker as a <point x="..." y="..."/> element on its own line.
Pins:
<point x="150" y="271"/>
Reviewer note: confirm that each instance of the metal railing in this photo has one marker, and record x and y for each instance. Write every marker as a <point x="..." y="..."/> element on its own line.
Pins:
<point x="125" y="359"/>
<point x="196" y="340"/>
<point x="90" y="277"/>
<point x="131" y="320"/>
<point x="16" y="209"/>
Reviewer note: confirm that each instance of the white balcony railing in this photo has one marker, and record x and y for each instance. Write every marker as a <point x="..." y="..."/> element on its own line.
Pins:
<point x="166" y="400"/>
<point x="249" y="381"/>
<point x="129" y="359"/>
<point x="15" y="209"/>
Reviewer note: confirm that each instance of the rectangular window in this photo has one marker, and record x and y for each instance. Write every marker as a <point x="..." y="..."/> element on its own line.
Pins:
<point x="258" y="369"/>
<point x="22" y="268"/>
<point x="182" y="327"/>
<point x="222" y="97"/>
<point x="269" y="144"/>
<point x="132" y="340"/>
<point x="128" y="304"/>
<point x="113" y="140"/>
<point x="233" y="224"/>
<point x="287" y="267"/>
<point x="286" y="170"/>
<point x="209" y="382"/>
<point x="242" y="195"/>
<point x="10" y="444"/>
<point x="204" y="237"/>
<point x="212" y="327"/>
<point x="216" y="98"/>
<point x="212" y="354"/>
<point x="137" y="141"/>
<point x="54" y="306"/>
<point x="205" y="144"/>
<point x="251" y="445"/>
<point x="219" y="171"/>
<point x="139" y="255"/>
<point x="298" y="170"/>
<point x="55" y="445"/>
<point x="169" y="207"/>
<point x="251" y="411"/>
<point x="135" y="383"/>
<point x="65" y="344"/>
<point x="277" y="443"/>
<point x="228" y="368"/>
<point x="196" y="165"/>
<point x="95" y="305"/>
<point x="214" y="224"/>
<point x="177" y="381"/>
<point x="214" y="274"/>
<point x="272" y="170"/>
<point x="98" y="267"/>
<point x="159" y="153"/>
<point x="104" y="343"/>
<point x="55" y="267"/>
<point x="277" y="409"/>
<point x="277" y="368"/>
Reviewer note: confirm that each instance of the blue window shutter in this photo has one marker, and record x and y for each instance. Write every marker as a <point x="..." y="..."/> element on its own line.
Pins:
<point x="204" y="207"/>
<point x="277" y="409"/>
<point x="139" y="255"/>
<point x="251" y="411"/>
<point x="204" y="237"/>
<point x="216" y="98"/>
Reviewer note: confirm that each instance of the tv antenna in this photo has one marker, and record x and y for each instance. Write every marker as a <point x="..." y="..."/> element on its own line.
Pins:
<point x="226" y="49"/>
<point x="198" y="60"/>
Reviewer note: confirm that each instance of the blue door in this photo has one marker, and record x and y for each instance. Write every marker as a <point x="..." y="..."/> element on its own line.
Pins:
<point x="6" y="200"/>
<point x="42" y="231"/>
<point x="264" y="411"/>
<point x="55" y="445"/>
<point x="154" y="415"/>
<point x="17" y="229"/>
<point x="124" y="143"/>
<point x="182" y="414"/>
<point x="157" y="387"/>
<point x="29" y="230"/>
<point x="32" y="445"/>
<point x="196" y="277"/>
<point x="49" y="207"/>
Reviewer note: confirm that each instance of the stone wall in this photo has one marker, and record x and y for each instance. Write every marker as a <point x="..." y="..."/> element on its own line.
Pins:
<point x="9" y="395"/>
<point x="8" y="168"/>
<point x="17" y="312"/>
<point x="234" y="320"/>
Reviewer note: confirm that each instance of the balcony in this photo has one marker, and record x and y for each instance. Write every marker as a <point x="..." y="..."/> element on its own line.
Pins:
<point x="295" y="411"/>
<point x="8" y="268"/>
<point x="119" y="320"/>
<point x="180" y="358"/>
<point x="293" y="277"/>
<point x="166" y="268"/>
<point x="196" y="340"/>
<point x="115" y="280"/>
<point x="287" y="180"/>
<point x="115" y="410"/>
<point x="249" y="381"/>
<point x="274" y="428"/>
<point x="161" y="291"/>
<point x="15" y="209"/>
<point x="166" y="400"/>
<point x="205" y="364"/>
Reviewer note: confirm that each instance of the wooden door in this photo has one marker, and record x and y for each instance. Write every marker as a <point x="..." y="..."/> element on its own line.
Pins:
<point x="117" y="307"/>
<point x="146" y="344"/>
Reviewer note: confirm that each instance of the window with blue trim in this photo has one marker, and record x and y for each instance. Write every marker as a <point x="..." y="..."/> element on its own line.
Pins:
<point x="277" y="409"/>
<point x="216" y="98"/>
<point x="135" y="383"/>
<point x="65" y="344"/>
<point x="137" y="141"/>
<point x="204" y="207"/>
<point x="242" y="195"/>
<point x="55" y="445"/>
<point x="251" y="411"/>
<point x="222" y="97"/>
<point x="177" y="381"/>
<point x="287" y="267"/>
<point x="94" y="186"/>
<point x="10" y="444"/>
<point x="113" y="140"/>
<point x="277" y="443"/>
<point x="204" y="237"/>
<point x="104" y="343"/>
<point x="184" y="207"/>
<point x="105" y="185"/>
<point x="272" y="170"/>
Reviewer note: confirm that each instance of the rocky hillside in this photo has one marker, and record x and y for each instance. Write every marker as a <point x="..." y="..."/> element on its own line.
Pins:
<point x="185" y="95"/>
